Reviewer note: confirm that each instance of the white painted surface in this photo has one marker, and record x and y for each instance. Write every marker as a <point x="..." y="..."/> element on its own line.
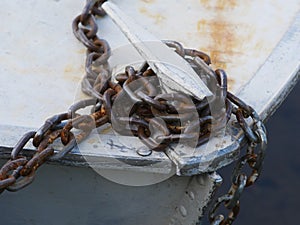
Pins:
<point x="41" y="61"/>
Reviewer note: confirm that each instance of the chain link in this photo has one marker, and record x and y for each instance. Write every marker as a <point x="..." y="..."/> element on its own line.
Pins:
<point x="254" y="157"/>
<point x="71" y="127"/>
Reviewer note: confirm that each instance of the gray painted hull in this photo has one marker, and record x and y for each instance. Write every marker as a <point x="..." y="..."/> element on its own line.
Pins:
<point x="64" y="195"/>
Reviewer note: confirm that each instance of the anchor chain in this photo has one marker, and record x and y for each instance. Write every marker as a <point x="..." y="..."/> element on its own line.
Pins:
<point x="254" y="157"/>
<point x="71" y="127"/>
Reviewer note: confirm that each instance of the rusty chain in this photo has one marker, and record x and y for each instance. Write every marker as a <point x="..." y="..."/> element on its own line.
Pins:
<point x="254" y="157"/>
<point x="71" y="127"/>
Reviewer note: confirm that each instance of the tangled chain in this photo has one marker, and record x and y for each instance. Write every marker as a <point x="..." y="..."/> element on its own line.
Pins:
<point x="150" y="103"/>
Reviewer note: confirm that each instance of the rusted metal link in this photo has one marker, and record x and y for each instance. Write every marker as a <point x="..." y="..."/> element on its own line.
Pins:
<point x="65" y="134"/>
<point x="151" y="101"/>
<point x="144" y="89"/>
<point x="144" y="67"/>
<point x="247" y="110"/>
<point x="97" y="10"/>
<point x="263" y="142"/>
<point x="177" y="103"/>
<point x="101" y="121"/>
<point x="251" y="160"/>
<point x="121" y="78"/>
<point x="21" y="143"/>
<point x="135" y="121"/>
<point x="88" y="43"/>
<point x="155" y="128"/>
<point x="107" y="102"/>
<point x="115" y="86"/>
<point x="49" y="139"/>
<point x="96" y="107"/>
<point x="21" y="182"/>
<point x="101" y="83"/>
<point x="87" y="10"/>
<point x="130" y="72"/>
<point x="236" y="190"/>
<point x="66" y="149"/>
<point x="148" y="85"/>
<point x="81" y="104"/>
<point x="220" y="219"/>
<point x="159" y="126"/>
<point x="90" y="73"/>
<point x="202" y="104"/>
<point x="10" y="172"/>
<point x="182" y="117"/>
<point x="203" y="139"/>
<point x="36" y="161"/>
<point x="178" y="47"/>
<point x="195" y="53"/>
<point x="88" y="26"/>
<point x="11" y="165"/>
<point x="150" y="141"/>
<point x="6" y="183"/>
<point x="200" y="124"/>
<point x="105" y="53"/>
<point x="217" y="220"/>
<point x="229" y="109"/>
<point x="222" y="81"/>
<point x="122" y="126"/>
<point x="246" y="128"/>
<point x="215" y="207"/>
<point x="84" y="122"/>
<point x="149" y="73"/>
<point x="48" y="125"/>
<point x="78" y="27"/>
<point x="87" y="88"/>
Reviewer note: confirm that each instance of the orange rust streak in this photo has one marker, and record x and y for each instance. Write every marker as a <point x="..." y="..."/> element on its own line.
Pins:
<point x="219" y="4"/>
<point x="222" y="40"/>
<point x="220" y="30"/>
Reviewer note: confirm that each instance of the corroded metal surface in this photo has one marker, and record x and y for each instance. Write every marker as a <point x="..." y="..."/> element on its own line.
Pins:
<point x="238" y="36"/>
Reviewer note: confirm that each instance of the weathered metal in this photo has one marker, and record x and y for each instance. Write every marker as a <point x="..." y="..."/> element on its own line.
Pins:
<point x="160" y="58"/>
<point x="277" y="89"/>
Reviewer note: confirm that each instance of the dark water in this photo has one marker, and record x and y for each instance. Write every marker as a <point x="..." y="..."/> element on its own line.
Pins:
<point x="275" y="198"/>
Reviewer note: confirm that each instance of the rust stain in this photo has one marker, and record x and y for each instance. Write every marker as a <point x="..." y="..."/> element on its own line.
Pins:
<point x="219" y="4"/>
<point x="231" y="82"/>
<point x="81" y="51"/>
<point x="68" y="69"/>
<point x="223" y="41"/>
<point x="106" y="130"/>
<point x="158" y="18"/>
<point x="92" y="141"/>
<point x="204" y="2"/>
<point x="220" y="29"/>
<point x="148" y="1"/>
<point x="73" y="73"/>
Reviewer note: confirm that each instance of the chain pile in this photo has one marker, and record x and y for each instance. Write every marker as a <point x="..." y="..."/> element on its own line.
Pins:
<point x="140" y="87"/>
